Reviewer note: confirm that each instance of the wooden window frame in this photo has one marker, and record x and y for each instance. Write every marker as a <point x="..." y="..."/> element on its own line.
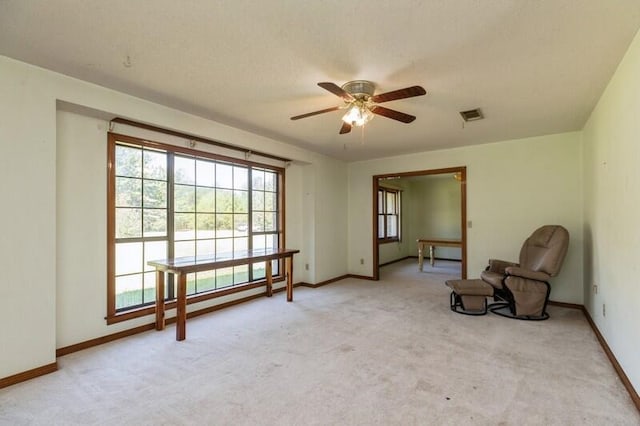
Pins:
<point x="384" y="213"/>
<point x="115" y="316"/>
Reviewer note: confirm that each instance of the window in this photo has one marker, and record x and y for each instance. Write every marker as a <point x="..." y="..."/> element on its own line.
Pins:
<point x="166" y="201"/>
<point x="388" y="215"/>
<point x="140" y="208"/>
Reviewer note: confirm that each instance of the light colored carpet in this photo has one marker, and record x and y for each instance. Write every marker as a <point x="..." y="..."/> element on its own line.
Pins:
<point x="351" y="353"/>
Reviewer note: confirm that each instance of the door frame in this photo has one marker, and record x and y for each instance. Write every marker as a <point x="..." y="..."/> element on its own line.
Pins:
<point x="463" y="211"/>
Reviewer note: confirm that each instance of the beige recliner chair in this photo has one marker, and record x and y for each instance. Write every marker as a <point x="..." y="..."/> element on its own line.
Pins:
<point x="521" y="290"/>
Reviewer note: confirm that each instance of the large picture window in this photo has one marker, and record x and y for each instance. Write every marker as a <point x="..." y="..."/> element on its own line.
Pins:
<point x="388" y="215"/>
<point x="166" y="201"/>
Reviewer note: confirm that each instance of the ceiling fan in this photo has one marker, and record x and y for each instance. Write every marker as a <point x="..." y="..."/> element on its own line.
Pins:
<point x="361" y="103"/>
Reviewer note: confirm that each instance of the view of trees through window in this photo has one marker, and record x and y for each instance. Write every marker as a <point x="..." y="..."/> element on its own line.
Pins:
<point x="171" y="204"/>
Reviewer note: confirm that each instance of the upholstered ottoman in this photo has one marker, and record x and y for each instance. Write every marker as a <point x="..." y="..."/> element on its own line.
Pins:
<point x="469" y="296"/>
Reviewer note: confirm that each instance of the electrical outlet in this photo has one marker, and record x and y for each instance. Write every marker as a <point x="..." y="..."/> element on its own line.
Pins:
<point x="306" y="266"/>
<point x="469" y="224"/>
<point x="362" y="261"/>
<point x="604" y="310"/>
<point x="595" y="288"/>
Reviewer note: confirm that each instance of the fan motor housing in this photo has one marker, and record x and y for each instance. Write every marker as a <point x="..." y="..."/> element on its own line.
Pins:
<point x="359" y="89"/>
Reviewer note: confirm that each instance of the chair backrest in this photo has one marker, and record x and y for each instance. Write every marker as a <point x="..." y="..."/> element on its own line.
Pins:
<point x="545" y="249"/>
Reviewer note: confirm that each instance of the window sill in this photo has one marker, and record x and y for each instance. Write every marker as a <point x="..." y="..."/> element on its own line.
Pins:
<point x="388" y="240"/>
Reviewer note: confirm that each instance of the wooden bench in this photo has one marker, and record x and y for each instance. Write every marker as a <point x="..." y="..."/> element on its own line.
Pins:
<point x="182" y="266"/>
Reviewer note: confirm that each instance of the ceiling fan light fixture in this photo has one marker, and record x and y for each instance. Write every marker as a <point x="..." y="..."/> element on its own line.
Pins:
<point x="359" y="89"/>
<point x="357" y="115"/>
<point x="361" y="103"/>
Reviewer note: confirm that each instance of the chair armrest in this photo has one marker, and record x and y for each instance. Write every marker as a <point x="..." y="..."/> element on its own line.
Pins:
<point x="499" y="266"/>
<point x="526" y="273"/>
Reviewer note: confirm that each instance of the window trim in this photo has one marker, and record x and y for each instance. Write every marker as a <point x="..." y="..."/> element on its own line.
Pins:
<point x="398" y="201"/>
<point x="113" y="316"/>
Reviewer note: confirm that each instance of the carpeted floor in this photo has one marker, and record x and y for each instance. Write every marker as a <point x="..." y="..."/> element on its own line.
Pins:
<point x="350" y="353"/>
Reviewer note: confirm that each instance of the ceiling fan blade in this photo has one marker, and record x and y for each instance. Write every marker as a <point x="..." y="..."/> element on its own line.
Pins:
<point x="336" y="90"/>
<point x="393" y="114"/>
<point x="346" y="128"/>
<point x="407" y="92"/>
<point x="309" y="114"/>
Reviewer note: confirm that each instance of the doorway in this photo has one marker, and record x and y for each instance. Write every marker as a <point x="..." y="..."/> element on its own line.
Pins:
<point x="380" y="182"/>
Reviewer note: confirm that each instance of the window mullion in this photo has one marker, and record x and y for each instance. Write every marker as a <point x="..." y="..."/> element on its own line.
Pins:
<point x="381" y="212"/>
<point x="170" y="222"/>
<point x="139" y="240"/>
<point x="386" y="212"/>
<point x="398" y="213"/>
<point x="250" y="218"/>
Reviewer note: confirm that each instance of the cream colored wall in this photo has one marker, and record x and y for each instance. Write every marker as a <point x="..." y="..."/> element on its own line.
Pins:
<point x="55" y="288"/>
<point x="81" y="278"/>
<point x="410" y="217"/>
<point x="388" y="252"/>
<point x="294" y="214"/>
<point x="612" y="237"/>
<point x="330" y="222"/>
<point x="513" y="187"/>
<point x="439" y="212"/>
<point x="308" y="224"/>
<point x="28" y="217"/>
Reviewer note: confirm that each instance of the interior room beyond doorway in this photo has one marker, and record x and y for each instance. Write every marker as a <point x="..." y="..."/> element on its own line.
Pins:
<point x="411" y="206"/>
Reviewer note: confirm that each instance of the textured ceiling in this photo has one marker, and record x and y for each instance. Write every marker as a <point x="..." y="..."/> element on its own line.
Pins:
<point x="534" y="67"/>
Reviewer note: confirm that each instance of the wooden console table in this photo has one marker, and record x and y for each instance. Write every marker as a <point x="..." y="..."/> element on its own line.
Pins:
<point x="432" y="243"/>
<point x="182" y="266"/>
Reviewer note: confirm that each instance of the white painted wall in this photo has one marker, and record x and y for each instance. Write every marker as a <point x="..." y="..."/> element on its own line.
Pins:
<point x="438" y="201"/>
<point x="28" y="220"/>
<point x="513" y="187"/>
<point x="611" y="203"/>
<point x="81" y="205"/>
<point x="55" y="299"/>
<point x="308" y="254"/>
<point x="294" y="211"/>
<point x="330" y="223"/>
<point x="411" y="216"/>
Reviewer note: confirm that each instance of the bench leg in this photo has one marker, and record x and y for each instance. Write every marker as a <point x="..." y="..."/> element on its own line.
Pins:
<point x="160" y="300"/>
<point x="269" y="276"/>
<point x="288" y="262"/>
<point x="181" y="308"/>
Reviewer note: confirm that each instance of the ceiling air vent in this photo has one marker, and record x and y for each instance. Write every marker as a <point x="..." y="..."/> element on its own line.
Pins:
<point x="472" y="115"/>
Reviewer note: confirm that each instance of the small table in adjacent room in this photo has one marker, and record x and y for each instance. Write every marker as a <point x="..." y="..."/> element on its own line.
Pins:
<point x="432" y="243"/>
<point x="182" y="266"/>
